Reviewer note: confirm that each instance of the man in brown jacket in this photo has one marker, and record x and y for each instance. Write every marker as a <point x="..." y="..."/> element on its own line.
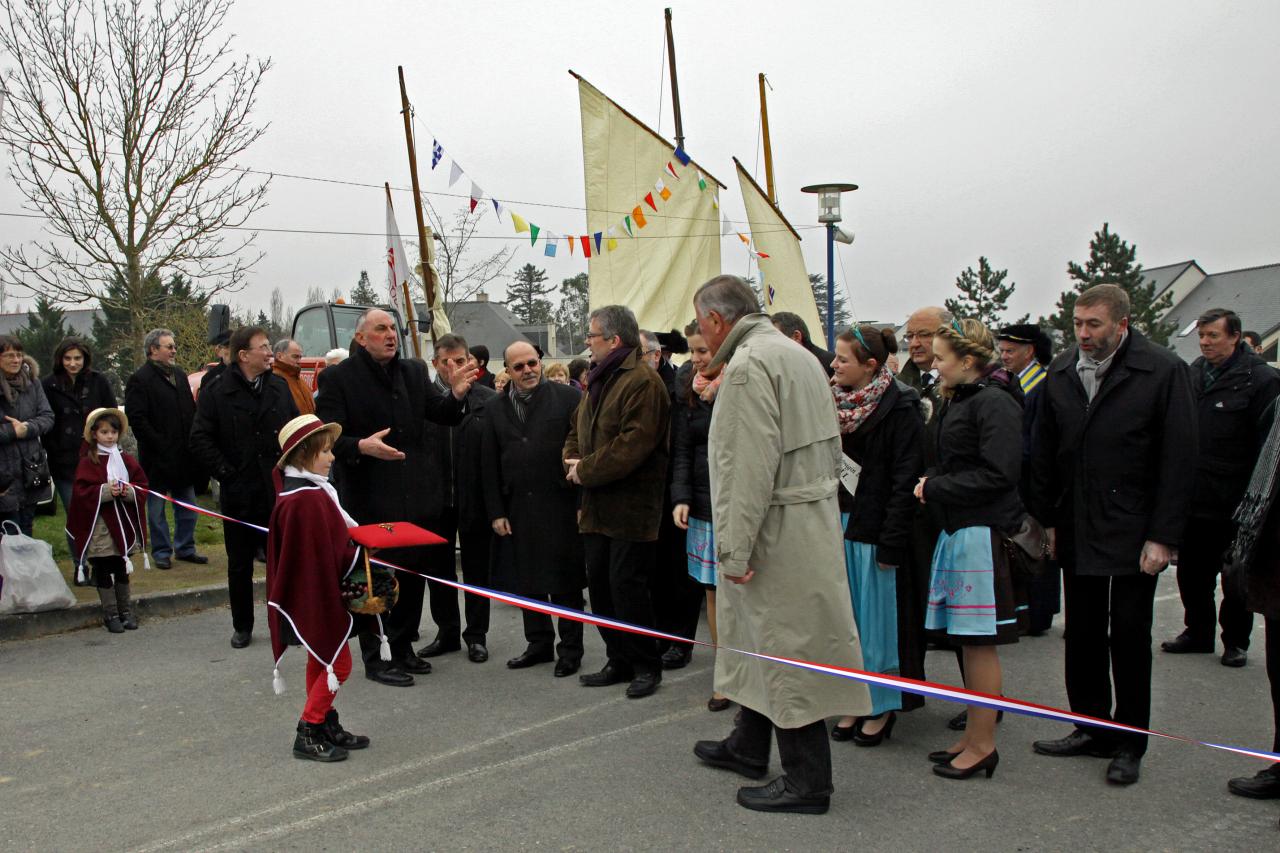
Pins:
<point x="617" y="451"/>
<point x="287" y="365"/>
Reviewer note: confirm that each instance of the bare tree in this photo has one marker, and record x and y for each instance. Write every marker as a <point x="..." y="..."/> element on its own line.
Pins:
<point x="315" y="294"/>
<point x="123" y="119"/>
<point x="277" y="308"/>
<point x="462" y="275"/>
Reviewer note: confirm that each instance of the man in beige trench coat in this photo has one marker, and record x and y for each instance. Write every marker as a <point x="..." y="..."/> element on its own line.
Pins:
<point x="774" y="456"/>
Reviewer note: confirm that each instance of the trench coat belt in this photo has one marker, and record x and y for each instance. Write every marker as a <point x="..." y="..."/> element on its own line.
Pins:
<point x="818" y="490"/>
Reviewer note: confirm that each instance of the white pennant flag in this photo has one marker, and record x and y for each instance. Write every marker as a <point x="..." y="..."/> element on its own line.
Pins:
<point x="397" y="263"/>
<point x="725" y="228"/>
<point x="455" y="172"/>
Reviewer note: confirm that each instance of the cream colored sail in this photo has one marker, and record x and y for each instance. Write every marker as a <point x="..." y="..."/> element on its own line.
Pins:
<point x="784" y="282"/>
<point x="656" y="272"/>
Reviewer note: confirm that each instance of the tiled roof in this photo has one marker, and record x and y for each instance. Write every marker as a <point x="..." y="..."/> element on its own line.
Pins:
<point x="1253" y="293"/>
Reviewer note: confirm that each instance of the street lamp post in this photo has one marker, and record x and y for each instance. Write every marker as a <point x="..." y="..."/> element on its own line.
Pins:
<point x="829" y="215"/>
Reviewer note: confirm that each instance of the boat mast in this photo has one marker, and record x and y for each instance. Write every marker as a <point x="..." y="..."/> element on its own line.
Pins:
<point x="675" y="87"/>
<point x="768" y="150"/>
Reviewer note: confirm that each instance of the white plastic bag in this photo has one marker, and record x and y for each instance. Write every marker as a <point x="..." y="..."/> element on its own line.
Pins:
<point x="32" y="581"/>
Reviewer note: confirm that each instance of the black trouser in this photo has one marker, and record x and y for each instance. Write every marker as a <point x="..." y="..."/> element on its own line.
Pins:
<point x="540" y="634"/>
<point x="475" y="570"/>
<point x="242" y="545"/>
<point x="618" y="579"/>
<point x="1044" y="597"/>
<point x="1109" y="640"/>
<point x="1200" y="558"/>
<point x="402" y="622"/>
<point x="677" y="598"/>
<point x="805" y="752"/>
<point x="1273" y="675"/>
<point x="109" y="571"/>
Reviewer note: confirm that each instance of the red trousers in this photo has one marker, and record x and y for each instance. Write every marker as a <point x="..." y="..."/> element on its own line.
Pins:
<point x="319" y="699"/>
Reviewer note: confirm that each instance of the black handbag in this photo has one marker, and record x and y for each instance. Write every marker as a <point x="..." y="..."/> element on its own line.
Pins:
<point x="36" y="479"/>
<point x="1027" y="548"/>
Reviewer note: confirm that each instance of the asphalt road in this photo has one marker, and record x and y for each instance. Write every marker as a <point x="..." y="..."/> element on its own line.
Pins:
<point x="166" y="739"/>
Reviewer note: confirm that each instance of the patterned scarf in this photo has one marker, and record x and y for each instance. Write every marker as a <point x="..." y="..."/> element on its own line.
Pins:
<point x="1259" y="497"/>
<point x="854" y="407"/>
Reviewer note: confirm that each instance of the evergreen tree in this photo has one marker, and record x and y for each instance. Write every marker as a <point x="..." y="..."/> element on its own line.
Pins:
<point x="571" y="316"/>
<point x="363" y="293"/>
<point x="983" y="294"/>
<point x="524" y="295"/>
<point x="45" y="329"/>
<point x="843" y="316"/>
<point x="1113" y="261"/>
<point x="173" y="304"/>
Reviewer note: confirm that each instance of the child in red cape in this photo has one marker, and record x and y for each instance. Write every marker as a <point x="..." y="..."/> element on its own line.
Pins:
<point x="308" y="553"/>
<point x="106" y="521"/>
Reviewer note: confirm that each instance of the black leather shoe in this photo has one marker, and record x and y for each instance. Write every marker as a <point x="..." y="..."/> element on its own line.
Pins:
<point x="644" y="684"/>
<point x="198" y="559"/>
<point x="338" y="736"/>
<point x="775" y="797"/>
<point x="1124" y="769"/>
<point x="1184" y="644"/>
<point x="1235" y="657"/>
<point x="438" y="647"/>
<point x="413" y="664"/>
<point x="843" y="733"/>
<point x="1076" y="743"/>
<point x="611" y="674"/>
<point x="950" y="771"/>
<point x="1265" y="785"/>
<point x="477" y="653"/>
<point x="164" y="563"/>
<point x="677" y="657"/>
<point x="531" y="657"/>
<point x="390" y="676"/>
<point x="861" y="738"/>
<point x="566" y="667"/>
<point x="717" y="754"/>
<point x="240" y="639"/>
<point x="942" y="756"/>
<point x="312" y="744"/>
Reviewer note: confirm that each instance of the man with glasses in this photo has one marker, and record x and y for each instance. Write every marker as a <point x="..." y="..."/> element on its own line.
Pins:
<point x="161" y="409"/>
<point x="532" y="508"/>
<point x="234" y="436"/>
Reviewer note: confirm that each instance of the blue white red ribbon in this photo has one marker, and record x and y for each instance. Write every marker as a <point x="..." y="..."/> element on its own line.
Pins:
<point x="944" y="692"/>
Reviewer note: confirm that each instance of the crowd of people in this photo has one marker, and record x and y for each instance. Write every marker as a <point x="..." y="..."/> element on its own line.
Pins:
<point x="829" y="506"/>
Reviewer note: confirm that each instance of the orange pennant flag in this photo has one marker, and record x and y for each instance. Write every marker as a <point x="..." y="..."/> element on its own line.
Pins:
<point x="637" y="216"/>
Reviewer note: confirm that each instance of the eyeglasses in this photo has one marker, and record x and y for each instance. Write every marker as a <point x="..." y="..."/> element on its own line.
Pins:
<point x="917" y="336"/>
<point x="522" y="367"/>
<point x="590" y="335"/>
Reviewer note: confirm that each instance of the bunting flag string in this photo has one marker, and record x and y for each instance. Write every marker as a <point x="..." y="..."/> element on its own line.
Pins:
<point x="550" y="249"/>
<point x="437" y="151"/>
<point x="901" y="684"/>
<point x="476" y="195"/>
<point x="455" y="172"/>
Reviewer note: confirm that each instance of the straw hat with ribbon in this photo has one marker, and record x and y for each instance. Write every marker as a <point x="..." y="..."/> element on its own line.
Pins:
<point x="301" y="427"/>
<point x="92" y="421"/>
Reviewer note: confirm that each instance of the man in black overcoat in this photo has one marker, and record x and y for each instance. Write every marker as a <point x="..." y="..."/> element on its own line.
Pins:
<point x="385" y="469"/>
<point x="235" y="437"/>
<point x="463" y="517"/>
<point x="532" y="508"/>
<point x="1115" y="446"/>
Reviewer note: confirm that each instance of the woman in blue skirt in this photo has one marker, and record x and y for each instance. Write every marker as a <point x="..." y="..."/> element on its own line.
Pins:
<point x="881" y="430"/>
<point x="690" y="476"/>
<point x="972" y="493"/>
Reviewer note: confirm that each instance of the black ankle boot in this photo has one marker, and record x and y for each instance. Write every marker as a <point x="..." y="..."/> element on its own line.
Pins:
<point x="312" y="744"/>
<point x="110" y="612"/>
<point x="338" y="736"/>
<point x="125" y="606"/>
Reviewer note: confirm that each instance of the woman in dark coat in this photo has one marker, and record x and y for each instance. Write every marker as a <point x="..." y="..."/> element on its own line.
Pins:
<point x="973" y="492"/>
<point x="881" y="429"/>
<point x="26" y="417"/>
<point x="74" y="389"/>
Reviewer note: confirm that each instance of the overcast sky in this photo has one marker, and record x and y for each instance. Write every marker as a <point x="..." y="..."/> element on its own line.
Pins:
<point x="1007" y="129"/>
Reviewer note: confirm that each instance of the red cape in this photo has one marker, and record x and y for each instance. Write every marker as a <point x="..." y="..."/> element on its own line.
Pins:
<point x="126" y="520"/>
<point x="308" y="553"/>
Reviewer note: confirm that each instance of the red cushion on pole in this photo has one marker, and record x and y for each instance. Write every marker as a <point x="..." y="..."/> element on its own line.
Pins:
<point x="395" y="534"/>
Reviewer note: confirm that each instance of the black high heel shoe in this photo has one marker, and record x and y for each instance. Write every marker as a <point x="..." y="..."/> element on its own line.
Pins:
<point x="942" y="756"/>
<point x="949" y="771"/>
<point x="842" y="733"/>
<point x="861" y="738"/>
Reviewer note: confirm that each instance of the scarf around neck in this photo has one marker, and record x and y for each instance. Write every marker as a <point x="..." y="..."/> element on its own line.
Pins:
<point x="603" y="372"/>
<point x="116" y="469"/>
<point x="706" y="387"/>
<point x="854" y="407"/>
<point x="323" y="483"/>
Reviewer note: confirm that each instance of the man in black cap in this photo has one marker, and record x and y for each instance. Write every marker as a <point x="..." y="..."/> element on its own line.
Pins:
<point x="1025" y="351"/>
<point x="222" y="349"/>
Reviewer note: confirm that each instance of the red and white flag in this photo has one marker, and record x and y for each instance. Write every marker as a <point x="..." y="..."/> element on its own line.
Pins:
<point x="397" y="263"/>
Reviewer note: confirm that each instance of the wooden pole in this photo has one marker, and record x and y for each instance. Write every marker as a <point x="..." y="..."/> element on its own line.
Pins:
<point x="408" y="300"/>
<point x="768" y="150"/>
<point x="675" y="86"/>
<point x="428" y="279"/>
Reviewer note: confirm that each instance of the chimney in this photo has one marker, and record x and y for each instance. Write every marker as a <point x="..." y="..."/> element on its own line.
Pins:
<point x="481" y="296"/>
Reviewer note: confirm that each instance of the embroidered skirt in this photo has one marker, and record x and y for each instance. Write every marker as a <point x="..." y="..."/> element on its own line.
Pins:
<point x="700" y="548"/>
<point x="971" y="596"/>
<point x="875" y="610"/>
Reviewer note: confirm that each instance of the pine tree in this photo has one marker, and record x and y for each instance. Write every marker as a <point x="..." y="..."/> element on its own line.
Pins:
<point x="843" y="315"/>
<point x="46" y="327"/>
<point x="571" y="316"/>
<point x="363" y="293"/>
<point x="983" y="294"/>
<point x="524" y="295"/>
<point x="173" y="304"/>
<point x="1113" y="261"/>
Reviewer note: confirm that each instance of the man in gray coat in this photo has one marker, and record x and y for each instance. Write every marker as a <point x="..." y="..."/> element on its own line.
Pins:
<point x="774" y="457"/>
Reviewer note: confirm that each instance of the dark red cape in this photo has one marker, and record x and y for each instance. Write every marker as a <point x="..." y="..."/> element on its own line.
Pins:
<point x="126" y="520"/>
<point x="308" y="553"/>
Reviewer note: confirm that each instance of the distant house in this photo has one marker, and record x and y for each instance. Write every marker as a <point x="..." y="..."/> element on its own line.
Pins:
<point x="493" y="324"/>
<point x="79" y="321"/>
<point x="1253" y="293"/>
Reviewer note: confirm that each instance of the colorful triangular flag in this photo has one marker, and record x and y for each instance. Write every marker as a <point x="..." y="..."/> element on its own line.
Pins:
<point x="518" y="221"/>
<point x="715" y="201"/>
<point x="743" y="238"/>
<point x="497" y="208"/>
<point x="437" y="151"/>
<point x="725" y="228"/>
<point x="612" y="242"/>
<point x="626" y="223"/>
<point x="533" y="234"/>
<point x="662" y="190"/>
<point x="671" y="170"/>
<point x="638" y="215"/>
<point x="702" y="182"/>
<point x="550" y="250"/>
<point x="648" y="199"/>
<point x="597" y="237"/>
<point x="586" y="246"/>
<point x="455" y="172"/>
<point x="761" y="255"/>
<point x="476" y="195"/>
<point x="681" y="156"/>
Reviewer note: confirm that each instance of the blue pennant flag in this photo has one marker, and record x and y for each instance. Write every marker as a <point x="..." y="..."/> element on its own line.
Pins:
<point x="437" y="151"/>
<point x="682" y="157"/>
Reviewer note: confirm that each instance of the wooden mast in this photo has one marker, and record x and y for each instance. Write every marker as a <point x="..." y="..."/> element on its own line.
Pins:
<point x="675" y="86"/>
<point x="768" y="150"/>
<point x="428" y="276"/>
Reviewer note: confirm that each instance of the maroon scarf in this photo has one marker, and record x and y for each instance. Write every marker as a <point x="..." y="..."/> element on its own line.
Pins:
<point x="603" y="372"/>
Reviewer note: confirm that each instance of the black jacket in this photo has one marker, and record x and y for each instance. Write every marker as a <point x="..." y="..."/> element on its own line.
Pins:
<point x="889" y="447"/>
<point x="71" y="404"/>
<point x="236" y="438"/>
<point x="824" y="358"/>
<point x="457" y="450"/>
<point x="690" y="475"/>
<point x="524" y="482"/>
<point x="160" y="414"/>
<point x="1115" y="473"/>
<point x="979" y="453"/>
<point x="1233" y="420"/>
<point x="1030" y="414"/>
<point x="365" y="398"/>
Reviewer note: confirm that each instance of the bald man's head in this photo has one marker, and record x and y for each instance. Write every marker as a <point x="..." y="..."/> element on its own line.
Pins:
<point x="919" y="334"/>
<point x="523" y="365"/>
